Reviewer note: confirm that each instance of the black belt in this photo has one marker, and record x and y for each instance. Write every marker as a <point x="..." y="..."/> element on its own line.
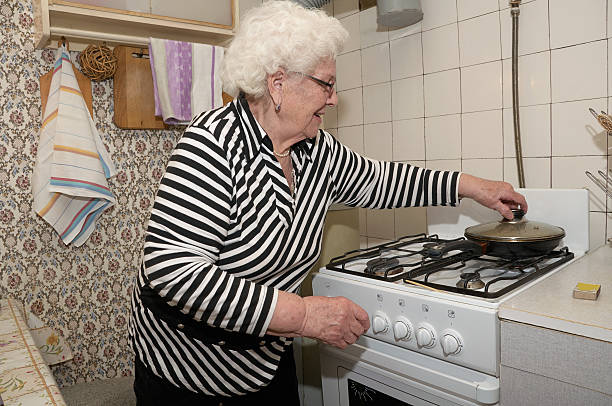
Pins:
<point x="172" y="316"/>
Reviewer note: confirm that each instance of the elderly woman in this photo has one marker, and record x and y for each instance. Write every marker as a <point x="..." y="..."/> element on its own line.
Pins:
<point x="238" y="218"/>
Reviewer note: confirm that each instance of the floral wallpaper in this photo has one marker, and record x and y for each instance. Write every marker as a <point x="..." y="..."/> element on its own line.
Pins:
<point x="82" y="293"/>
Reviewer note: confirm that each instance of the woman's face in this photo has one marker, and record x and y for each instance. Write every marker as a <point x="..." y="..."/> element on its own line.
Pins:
<point x="308" y="96"/>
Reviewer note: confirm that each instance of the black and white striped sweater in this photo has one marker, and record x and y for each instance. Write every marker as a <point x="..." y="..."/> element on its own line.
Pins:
<point x="225" y="235"/>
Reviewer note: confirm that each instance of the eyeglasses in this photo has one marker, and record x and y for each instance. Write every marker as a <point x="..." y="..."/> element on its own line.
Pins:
<point x="329" y="86"/>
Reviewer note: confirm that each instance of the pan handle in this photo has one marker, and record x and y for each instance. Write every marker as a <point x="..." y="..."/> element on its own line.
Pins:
<point x="437" y="249"/>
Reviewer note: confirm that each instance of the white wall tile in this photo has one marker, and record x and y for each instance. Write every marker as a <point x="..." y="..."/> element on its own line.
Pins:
<point x="409" y="140"/>
<point x="533" y="29"/>
<point x="406" y="57"/>
<point x="443" y="137"/>
<point x="535" y="131"/>
<point x="351" y="23"/>
<point x="610" y="65"/>
<point x="371" y="33"/>
<point x="445" y="164"/>
<point x="330" y="119"/>
<point x="381" y="223"/>
<point x="438" y="13"/>
<point x="363" y="241"/>
<point x="472" y="8"/>
<point x="492" y="169"/>
<point x="536" y="171"/>
<point x="352" y="137"/>
<point x="575" y="131"/>
<point x="609" y="31"/>
<point x="482" y="134"/>
<point x="378" y="141"/>
<point x="573" y="23"/>
<point x="407" y="97"/>
<point x="376" y="64"/>
<point x="442" y="93"/>
<point x="350" y="107"/>
<point x="533" y="78"/>
<point x="410" y="221"/>
<point x="333" y="131"/>
<point x="481" y="87"/>
<point x="440" y="51"/>
<point x="377" y="103"/>
<point x="568" y="172"/>
<point x="343" y="8"/>
<point x="348" y="71"/>
<point x="395" y="33"/>
<point x="479" y="40"/>
<point x="579" y="72"/>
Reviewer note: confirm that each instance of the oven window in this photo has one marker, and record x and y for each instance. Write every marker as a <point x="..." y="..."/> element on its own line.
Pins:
<point x="362" y="395"/>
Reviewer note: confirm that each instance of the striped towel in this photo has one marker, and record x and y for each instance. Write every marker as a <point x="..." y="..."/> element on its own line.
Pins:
<point x="69" y="180"/>
<point x="186" y="79"/>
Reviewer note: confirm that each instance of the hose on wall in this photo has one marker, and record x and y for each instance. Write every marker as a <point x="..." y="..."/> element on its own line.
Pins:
<point x="515" y="91"/>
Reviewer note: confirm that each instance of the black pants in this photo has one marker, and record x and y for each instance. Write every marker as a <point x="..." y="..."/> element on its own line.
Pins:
<point x="152" y="390"/>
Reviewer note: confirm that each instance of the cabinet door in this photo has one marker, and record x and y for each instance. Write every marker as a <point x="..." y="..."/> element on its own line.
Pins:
<point x="217" y="12"/>
<point x="211" y="11"/>
<point x="140" y="6"/>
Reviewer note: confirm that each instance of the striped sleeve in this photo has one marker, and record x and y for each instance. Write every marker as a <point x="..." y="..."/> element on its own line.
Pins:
<point x="189" y="222"/>
<point x="363" y="182"/>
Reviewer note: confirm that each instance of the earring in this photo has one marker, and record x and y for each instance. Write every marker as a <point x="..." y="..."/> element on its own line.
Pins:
<point x="277" y="108"/>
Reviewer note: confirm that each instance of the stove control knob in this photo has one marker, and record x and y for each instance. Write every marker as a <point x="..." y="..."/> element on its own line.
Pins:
<point x="425" y="336"/>
<point x="402" y="329"/>
<point x="451" y="342"/>
<point x="380" y="323"/>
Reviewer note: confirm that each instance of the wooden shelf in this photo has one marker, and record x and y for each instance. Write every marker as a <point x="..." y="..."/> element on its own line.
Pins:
<point x="82" y="25"/>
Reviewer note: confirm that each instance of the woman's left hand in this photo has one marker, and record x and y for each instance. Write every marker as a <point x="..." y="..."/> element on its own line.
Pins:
<point x="495" y="195"/>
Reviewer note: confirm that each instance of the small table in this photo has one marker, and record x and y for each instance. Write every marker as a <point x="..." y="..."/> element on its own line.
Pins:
<point x="25" y="379"/>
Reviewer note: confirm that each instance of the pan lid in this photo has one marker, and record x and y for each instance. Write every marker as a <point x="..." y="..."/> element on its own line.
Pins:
<point x="519" y="229"/>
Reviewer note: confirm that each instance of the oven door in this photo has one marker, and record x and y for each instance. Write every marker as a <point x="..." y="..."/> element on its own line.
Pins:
<point x="371" y="372"/>
<point x="359" y="390"/>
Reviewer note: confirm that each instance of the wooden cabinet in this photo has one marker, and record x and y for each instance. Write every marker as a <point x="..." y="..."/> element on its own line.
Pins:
<point x="116" y="22"/>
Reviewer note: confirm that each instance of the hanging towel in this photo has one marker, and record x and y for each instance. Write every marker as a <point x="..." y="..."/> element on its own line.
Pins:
<point x="186" y="79"/>
<point x="171" y="61"/>
<point x="69" y="181"/>
<point x="207" y="88"/>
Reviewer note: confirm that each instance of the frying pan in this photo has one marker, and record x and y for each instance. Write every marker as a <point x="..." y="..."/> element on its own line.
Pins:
<point x="516" y="238"/>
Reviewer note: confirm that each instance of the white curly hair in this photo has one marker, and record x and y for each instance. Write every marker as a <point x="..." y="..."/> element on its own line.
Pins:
<point x="278" y="34"/>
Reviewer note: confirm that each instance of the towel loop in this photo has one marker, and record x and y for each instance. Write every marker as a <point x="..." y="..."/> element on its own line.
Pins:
<point x="63" y="42"/>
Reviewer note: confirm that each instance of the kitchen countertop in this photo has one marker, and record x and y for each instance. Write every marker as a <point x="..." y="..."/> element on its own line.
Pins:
<point x="550" y="303"/>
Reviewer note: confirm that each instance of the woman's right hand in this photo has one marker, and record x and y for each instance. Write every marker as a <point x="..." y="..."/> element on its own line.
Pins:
<point x="336" y="321"/>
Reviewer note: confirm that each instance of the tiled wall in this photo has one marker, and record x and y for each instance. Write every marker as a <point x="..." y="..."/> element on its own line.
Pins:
<point x="439" y="94"/>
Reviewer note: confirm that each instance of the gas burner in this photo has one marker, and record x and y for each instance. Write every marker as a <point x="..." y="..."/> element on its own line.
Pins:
<point x="470" y="280"/>
<point x="383" y="267"/>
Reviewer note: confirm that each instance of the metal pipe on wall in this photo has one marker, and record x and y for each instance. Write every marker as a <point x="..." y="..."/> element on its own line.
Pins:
<point x="515" y="91"/>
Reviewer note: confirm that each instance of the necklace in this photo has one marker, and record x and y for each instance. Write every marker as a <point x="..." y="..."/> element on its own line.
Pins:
<point x="283" y="155"/>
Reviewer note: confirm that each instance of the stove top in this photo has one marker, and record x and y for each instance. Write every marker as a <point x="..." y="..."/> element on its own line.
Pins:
<point x="409" y="261"/>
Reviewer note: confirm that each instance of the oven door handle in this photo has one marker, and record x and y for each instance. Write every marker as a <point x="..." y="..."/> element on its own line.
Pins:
<point x="418" y="367"/>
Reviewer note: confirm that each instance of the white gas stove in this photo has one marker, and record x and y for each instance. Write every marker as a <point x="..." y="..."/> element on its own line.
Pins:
<point x="435" y="335"/>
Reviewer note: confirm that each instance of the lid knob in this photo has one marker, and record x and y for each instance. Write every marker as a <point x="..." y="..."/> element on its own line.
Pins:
<point x="518" y="214"/>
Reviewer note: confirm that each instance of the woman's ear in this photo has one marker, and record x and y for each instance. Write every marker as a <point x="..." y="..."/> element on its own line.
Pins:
<point x="276" y="82"/>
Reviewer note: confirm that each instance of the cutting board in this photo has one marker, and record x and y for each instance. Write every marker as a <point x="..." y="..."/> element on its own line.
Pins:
<point x="84" y="84"/>
<point x="133" y="90"/>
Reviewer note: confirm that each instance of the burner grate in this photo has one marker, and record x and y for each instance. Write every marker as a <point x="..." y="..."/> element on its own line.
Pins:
<point x="406" y="260"/>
